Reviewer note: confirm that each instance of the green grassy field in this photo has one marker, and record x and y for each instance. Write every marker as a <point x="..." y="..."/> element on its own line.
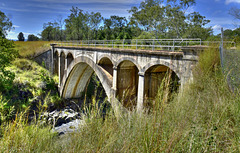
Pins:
<point x="29" y="49"/>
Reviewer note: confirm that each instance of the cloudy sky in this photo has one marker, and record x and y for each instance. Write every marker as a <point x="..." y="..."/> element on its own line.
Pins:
<point x="28" y="16"/>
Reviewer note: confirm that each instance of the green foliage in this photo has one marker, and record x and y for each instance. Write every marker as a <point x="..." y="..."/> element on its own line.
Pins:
<point x="5" y="24"/>
<point x="7" y="54"/>
<point x="32" y="37"/>
<point x="170" y="20"/>
<point x="21" y="37"/>
<point x="46" y="78"/>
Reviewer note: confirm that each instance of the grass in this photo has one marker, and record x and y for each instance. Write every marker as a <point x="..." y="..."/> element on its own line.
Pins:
<point x="29" y="49"/>
<point x="203" y="117"/>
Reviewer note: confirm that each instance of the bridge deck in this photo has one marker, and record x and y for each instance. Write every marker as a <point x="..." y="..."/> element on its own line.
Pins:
<point x="135" y="51"/>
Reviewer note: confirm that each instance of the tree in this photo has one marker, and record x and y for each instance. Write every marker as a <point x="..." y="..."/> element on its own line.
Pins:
<point x="5" y="24"/>
<point x="49" y="31"/>
<point x="21" y="37"/>
<point x="235" y="12"/>
<point x="169" y="19"/>
<point x="7" y="54"/>
<point x="32" y="37"/>
<point x="77" y="24"/>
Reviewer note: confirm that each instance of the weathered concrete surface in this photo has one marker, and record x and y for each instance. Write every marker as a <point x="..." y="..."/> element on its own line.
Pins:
<point x="45" y="59"/>
<point x="138" y="71"/>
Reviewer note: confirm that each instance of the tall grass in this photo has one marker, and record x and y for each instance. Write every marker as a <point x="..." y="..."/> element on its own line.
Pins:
<point x="204" y="117"/>
<point x="29" y="49"/>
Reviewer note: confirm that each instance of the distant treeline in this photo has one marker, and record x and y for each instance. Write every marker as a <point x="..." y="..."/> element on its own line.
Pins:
<point x="152" y="19"/>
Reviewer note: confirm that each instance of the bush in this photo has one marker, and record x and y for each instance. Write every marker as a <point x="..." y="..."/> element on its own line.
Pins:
<point x="7" y="54"/>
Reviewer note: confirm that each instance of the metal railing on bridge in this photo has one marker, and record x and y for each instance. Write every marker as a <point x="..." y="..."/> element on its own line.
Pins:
<point x="140" y="44"/>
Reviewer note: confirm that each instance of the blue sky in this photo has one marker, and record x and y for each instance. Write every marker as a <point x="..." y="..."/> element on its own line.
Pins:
<point x="28" y="16"/>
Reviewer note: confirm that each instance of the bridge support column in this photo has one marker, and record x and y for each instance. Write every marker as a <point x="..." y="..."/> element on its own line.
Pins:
<point x="114" y="83"/>
<point x="140" y="97"/>
<point x="59" y="70"/>
<point x="66" y="65"/>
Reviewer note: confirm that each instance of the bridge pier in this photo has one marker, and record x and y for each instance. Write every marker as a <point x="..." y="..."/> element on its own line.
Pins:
<point x="140" y="96"/>
<point x="114" y="82"/>
<point x="59" y="69"/>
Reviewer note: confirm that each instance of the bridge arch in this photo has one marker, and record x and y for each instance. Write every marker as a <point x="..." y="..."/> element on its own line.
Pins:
<point x="106" y="56"/>
<point x="154" y="74"/>
<point x="62" y="65"/>
<point x="70" y="58"/>
<point x="77" y="75"/>
<point x="174" y="68"/>
<point x="56" y="63"/>
<point x="107" y="64"/>
<point x="129" y="59"/>
<point x="127" y="83"/>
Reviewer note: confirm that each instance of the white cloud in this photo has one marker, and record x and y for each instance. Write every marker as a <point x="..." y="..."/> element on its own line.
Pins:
<point x="217" y="27"/>
<point x="16" y="26"/>
<point x="3" y="4"/>
<point x="232" y="1"/>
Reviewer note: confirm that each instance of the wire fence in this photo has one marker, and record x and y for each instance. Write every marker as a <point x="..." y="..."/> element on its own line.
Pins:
<point x="230" y="62"/>
<point x="231" y="67"/>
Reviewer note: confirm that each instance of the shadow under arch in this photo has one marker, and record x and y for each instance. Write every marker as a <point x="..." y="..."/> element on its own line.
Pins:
<point x="159" y="78"/>
<point x="127" y="83"/>
<point x="78" y="74"/>
<point x="56" y="63"/>
<point x="129" y="59"/>
<point x="106" y="64"/>
<point x="69" y="58"/>
<point x="164" y="63"/>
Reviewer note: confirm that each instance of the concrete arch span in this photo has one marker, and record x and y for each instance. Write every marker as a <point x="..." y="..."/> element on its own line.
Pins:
<point x="77" y="75"/>
<point x="174" y="68"/>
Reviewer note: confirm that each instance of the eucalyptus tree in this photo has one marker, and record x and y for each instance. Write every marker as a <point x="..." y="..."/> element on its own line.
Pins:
<point x="7" y="54"/>
<point x="5" y="24"/>
<point x="77" y="24"/>
<point x="95" y="21"/>
<point x="168" y="18"/>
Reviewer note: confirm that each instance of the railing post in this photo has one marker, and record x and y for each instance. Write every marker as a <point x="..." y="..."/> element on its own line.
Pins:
<point x="173" y="48"/>
<point x="123" y="44"/>
<point x="112" y="44"/>
<point x="136" y="44"/>
<point x="153" y="45"/>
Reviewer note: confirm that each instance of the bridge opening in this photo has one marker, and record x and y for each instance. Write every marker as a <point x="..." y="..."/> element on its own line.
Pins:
<point x="69" y="59"/>
<point x="153" y="80"/>
<point x="83" y="86"/>
<point x="62" y="65"/>
<point x="127" y="84"/>
<point x="107" y="65"/>
<point x="56" y="63"/>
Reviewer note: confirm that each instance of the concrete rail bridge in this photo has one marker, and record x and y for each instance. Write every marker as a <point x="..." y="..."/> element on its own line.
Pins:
<point x="140" y="72"/>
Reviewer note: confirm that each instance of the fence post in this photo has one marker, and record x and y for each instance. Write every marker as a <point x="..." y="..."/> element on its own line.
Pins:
<point x="153" y="46"/>
<point x="123" y="44"/>
<point x="173" y="45"/>
<point x="221" y="48"/>
<point x="136" y="44"/>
